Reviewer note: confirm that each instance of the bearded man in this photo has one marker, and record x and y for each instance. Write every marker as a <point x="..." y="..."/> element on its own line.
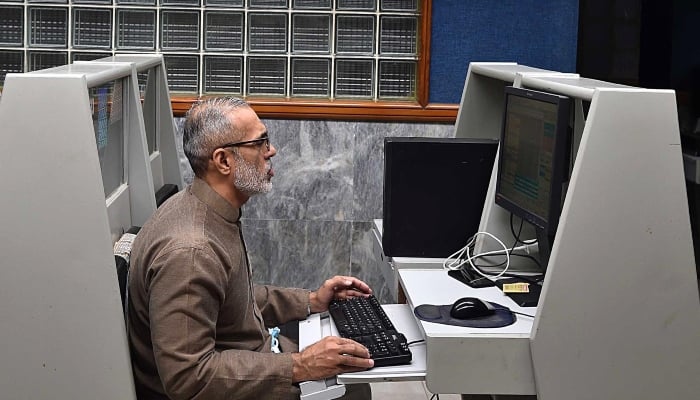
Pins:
<point x="199" y="328"/>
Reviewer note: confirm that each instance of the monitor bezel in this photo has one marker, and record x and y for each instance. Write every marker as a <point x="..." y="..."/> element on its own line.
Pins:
<point x="548" y="223"/>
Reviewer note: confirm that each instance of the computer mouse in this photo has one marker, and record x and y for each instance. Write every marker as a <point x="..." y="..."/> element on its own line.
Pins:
<point x="471" y="307"/>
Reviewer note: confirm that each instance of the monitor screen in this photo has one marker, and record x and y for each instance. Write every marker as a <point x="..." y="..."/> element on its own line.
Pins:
<point x="434" y="193"/>
<point x="534" y="156"/>
<point x="108" y="122"/>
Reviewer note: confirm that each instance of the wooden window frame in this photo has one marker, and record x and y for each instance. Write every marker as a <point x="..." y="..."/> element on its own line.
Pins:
<point x="355" y="110"/>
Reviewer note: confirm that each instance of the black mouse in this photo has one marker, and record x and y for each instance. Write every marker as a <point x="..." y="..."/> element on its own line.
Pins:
<point x="471" y="307"/>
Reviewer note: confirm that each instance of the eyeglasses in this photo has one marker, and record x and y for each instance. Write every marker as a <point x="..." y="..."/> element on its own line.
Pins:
<point x="256" y="142"/>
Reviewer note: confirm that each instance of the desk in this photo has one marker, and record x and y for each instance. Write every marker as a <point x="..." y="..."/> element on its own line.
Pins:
<point x="453" y="359"/>
<point x="494" y="361"/>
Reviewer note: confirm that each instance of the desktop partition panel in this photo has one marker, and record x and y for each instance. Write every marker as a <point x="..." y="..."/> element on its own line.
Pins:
<point x="619" y="307"/>
<point x="63" y="330"/>
<point x="81" y="176"/>
<point x="620" y="304"/>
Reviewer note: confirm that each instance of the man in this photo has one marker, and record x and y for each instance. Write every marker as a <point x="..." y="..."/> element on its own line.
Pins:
<point x="198" y="326"/>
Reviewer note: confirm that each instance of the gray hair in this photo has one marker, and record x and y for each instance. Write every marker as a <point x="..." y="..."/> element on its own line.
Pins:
<point x="207" y="127"/>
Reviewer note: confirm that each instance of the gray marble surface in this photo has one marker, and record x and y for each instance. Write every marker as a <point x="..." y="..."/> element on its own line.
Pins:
<point x="327" y="189"/>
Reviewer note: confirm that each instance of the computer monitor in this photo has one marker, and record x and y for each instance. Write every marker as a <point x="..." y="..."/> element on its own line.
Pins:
<point x="533" y="159"/>
<point x="434" y="193"/>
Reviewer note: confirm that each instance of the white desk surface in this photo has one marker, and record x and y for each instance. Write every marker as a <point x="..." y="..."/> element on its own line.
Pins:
<point x="471" y="360"/>
<point x="430" y="286"/>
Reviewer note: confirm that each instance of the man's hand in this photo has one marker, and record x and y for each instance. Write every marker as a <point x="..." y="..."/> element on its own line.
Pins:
<point x="338" y="287"/>
<point x="329" y="357"/>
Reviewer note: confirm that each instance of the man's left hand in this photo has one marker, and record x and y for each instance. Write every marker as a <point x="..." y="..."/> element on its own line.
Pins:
<point x="338" y="287"/>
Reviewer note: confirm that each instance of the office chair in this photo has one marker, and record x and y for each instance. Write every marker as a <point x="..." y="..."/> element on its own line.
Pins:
<point x="122" y="252"/>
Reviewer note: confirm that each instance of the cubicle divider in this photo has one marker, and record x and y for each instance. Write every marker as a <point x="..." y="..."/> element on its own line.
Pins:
<point x="78" y="171"/>
<point x="619" y="308"/>
<point x="64" y="330"/>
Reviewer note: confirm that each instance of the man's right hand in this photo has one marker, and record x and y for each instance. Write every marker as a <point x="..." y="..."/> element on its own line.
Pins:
<point x="329" y="357"/>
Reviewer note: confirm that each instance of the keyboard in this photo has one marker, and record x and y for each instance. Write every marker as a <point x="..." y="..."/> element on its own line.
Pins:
<point x="363" y="320"/>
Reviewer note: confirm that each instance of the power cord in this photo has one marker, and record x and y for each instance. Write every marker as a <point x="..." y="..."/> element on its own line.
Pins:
<point x="518" y="240"/>
<point x="458" y="259"/>
<point x="520" y="230"/>
<point x="523" y="314"/>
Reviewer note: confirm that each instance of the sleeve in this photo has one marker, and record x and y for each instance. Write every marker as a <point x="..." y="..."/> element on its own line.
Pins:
<point x="186" y="290"/>
<point x="280" y="305"/>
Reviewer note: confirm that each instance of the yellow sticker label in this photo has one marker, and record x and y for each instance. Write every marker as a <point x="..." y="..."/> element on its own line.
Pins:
<point x="520" y="287"/>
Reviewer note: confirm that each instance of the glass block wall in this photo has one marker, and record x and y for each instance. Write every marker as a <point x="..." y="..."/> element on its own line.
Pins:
<point x="333" y="49"/>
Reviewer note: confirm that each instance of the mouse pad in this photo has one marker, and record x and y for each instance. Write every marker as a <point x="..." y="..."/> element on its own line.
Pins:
<point x="440" y="314"/>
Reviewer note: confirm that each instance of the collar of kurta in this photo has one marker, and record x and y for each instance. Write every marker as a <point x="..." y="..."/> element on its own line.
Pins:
<point x="208" y="196"/>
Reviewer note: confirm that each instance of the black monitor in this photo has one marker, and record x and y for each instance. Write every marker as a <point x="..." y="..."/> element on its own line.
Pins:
<point x="533" y="159"/>
<point x="434" y="193"/>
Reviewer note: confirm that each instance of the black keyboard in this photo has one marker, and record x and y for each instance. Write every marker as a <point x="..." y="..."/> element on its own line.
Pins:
<point x="364" y="321"/>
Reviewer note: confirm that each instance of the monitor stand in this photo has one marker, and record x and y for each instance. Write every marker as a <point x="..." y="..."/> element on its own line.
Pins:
<point x="471" y="278"/>
<point x="544" y="246"/>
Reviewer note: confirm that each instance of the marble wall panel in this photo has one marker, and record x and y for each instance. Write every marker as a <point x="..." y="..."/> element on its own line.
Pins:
<point x="313" y="173"/>
<point x="364" y="265"/>
<point x="297" y="253"/>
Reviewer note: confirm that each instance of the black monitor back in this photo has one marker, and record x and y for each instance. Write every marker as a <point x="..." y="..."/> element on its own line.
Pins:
<point x="434" y="193"/>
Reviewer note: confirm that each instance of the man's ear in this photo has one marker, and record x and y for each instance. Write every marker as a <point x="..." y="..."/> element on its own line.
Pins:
<point x="222" y="162"/>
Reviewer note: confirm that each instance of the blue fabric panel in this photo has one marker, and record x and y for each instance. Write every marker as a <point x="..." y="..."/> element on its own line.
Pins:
<point x="537" y="33"/>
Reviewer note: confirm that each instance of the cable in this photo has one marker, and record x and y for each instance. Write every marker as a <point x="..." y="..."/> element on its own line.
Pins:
<point x="523" y="314"/>
<point x="520" y="229"/>
<point x="534" y="279"/>
<point x="435" y="397"/>
<point x="500" y="252"/>
<point x="416" y="342"/>
<point x="455" y="261"/>
<point x="517" y="240"/>
<point x="471" y="262"/>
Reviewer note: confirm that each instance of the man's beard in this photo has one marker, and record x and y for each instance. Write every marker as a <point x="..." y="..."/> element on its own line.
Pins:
<point x="249" y="179"/>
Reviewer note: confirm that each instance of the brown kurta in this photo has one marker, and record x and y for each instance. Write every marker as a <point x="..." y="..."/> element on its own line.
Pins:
<point x="195" y="331"/>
